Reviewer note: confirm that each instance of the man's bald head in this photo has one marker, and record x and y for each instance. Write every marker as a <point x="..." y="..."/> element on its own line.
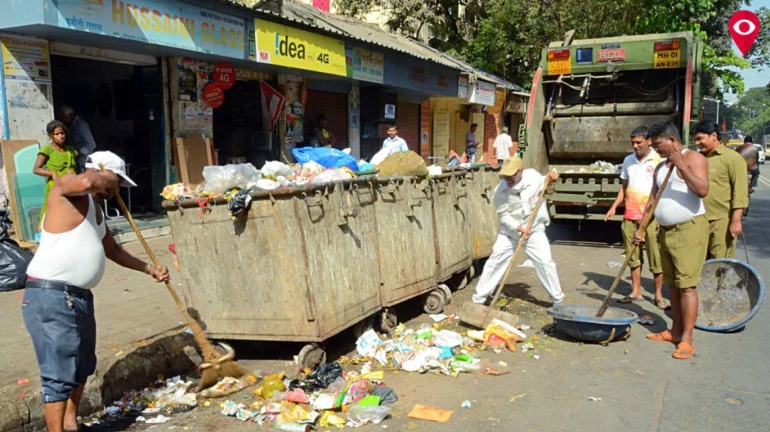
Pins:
<point x="67" y="114"/>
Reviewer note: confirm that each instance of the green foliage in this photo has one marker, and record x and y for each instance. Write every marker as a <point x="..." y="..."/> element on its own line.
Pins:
<point x="751" y="113"/>
<point x="506" y="37"/>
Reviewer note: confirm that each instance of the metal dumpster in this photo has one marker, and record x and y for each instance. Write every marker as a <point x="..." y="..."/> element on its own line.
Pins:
<point x="450" y="216"/>
<point x="405" y="233"/>
<point x="483" y="227"/>
<point x="276" y="275"/>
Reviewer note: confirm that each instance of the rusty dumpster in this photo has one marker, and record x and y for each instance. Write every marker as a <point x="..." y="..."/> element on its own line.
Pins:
<point x="451" y="220"/>
<point x="276" y="273"/>
<point x="484" y="224"/>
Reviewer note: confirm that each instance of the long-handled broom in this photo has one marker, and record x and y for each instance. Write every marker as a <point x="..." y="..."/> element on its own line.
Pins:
<point x="215" y="365"/>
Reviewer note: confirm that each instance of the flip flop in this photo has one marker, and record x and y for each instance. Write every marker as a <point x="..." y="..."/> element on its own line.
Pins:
<point x="664" y="336"/>
<point x="662" y="305"/>
<point x="683" y="351"/>
<point x="629" y="299"/>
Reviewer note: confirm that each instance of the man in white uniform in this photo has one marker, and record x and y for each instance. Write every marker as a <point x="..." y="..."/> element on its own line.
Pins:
<point x="503" y="144"/>
<point x="394" y="143"/>
<point x="58" y="307"/>
<point x="515" y="199"/>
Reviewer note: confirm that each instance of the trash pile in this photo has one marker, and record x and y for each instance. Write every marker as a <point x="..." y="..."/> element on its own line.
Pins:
<point x="314" y="166"/>
<point x="154" y="405"/>
<point x="598" y="167"/>
<point x="439" y="351"/>
<point x="327" y="396"/>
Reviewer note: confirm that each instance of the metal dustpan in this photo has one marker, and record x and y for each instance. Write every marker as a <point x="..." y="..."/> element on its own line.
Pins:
<point x="729" y="295"/>
<point x="581" y="322"/>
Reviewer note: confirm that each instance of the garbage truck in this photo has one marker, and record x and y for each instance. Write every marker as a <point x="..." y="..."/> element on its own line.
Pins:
<point x="586" y="98"/>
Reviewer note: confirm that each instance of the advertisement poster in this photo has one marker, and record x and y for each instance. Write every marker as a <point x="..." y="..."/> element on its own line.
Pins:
<point x="26" y="59"/>
<point x="281" y="45"/>
<point x="188" y="85"/>
<point x="159" y="22"/>
<point x="483" y="93"/>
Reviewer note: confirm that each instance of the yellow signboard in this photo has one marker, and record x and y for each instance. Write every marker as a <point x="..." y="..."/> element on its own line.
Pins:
<point x="560" y="66"/>
<point x="667" y="59"/>
<point x="281" y="45"/>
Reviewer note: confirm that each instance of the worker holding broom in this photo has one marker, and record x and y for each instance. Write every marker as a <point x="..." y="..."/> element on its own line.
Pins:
<point x="515" y="197"/>
<point x="683" y="237"/>
<point x="58" y="306"/>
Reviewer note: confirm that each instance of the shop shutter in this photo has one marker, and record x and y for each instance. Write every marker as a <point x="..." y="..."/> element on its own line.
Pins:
<point x="335" y="107"/>
<point x="408" y="121"/>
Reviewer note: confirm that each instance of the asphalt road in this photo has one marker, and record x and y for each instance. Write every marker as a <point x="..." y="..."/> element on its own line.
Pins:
<point x="632" y="385"/>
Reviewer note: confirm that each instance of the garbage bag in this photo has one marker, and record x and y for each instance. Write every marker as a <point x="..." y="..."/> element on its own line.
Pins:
<point x="13" y="265"/>
<point x="275" y="169"/>
<point x="403" y="164"/>
<point x="380" y="156"/>
<point x="331" y="175"/>
<point x="222" y="178"/>
<point x="239" y="203"/>
<point x="320" y="378"/>
<point x="387" y="395"/>
<point x="326" y="157"/>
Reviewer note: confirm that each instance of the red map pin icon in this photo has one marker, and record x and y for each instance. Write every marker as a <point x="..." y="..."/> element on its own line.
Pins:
<point x="744" y="27"/>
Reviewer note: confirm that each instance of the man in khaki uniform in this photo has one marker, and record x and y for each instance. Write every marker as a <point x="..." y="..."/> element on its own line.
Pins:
<point x="728" y="190"/>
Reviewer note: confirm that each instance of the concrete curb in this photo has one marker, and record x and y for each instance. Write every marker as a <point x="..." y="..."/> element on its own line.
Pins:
<point x="163" y="354"/>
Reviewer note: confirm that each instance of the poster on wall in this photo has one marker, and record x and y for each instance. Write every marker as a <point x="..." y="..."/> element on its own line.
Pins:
<point x="224" y="75"/>
<point x="213" y="95"/>
<point x="441" y="133"/>
<point x="25" y="59"/>
<point x="188" y="84"/>
<point x="281" y="45"/>
<point x="390" y="112"/>
<point x="160" y="22"/>
<point x="425" y="128"/>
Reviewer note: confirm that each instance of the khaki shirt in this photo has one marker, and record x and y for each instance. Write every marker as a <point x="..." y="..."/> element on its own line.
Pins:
<point x="728" y="183"/>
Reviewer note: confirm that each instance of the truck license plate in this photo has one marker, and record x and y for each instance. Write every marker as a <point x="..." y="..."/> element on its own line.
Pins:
<point x="666" y="59"/>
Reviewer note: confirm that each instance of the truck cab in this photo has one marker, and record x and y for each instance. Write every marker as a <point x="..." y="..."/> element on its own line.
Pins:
<point x="586" y="98"/>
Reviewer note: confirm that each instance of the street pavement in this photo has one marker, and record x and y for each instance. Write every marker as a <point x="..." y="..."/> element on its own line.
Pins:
<point x="561" y="385"/>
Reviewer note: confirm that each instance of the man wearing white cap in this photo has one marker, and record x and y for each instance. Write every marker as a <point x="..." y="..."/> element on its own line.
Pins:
<point x="515" y="199"/>
<point x="58" y="306"/>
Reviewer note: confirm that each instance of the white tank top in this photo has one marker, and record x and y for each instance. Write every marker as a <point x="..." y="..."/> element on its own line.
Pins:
<point x="74" y="257"/>
<point x="678" y="203"/>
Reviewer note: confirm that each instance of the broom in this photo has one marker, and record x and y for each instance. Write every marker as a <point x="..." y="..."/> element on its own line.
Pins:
<point x="215" y="365"/>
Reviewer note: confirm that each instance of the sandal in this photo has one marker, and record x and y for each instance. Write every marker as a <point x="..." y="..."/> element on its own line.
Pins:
<point x="629" y="299"/>
<point x="662" y="305"/>
<point x="664" y="336"/>
<point x="683" y="351"/>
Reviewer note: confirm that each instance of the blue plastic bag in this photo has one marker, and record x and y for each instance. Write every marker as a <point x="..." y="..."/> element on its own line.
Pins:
<point x="326" y="157"/>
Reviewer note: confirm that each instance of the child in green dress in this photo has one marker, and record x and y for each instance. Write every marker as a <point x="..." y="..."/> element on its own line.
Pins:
<point x="58" y="159"/>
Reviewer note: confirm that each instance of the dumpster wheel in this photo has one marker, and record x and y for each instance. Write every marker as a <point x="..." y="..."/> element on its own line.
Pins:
<point x="388" y="321"/>
<point x="434" y="302"/>
<point x="311" y="356"/>
<point x="447" y="293"/>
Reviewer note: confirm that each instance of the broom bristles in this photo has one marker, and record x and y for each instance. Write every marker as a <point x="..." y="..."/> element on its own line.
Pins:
<point x="211" y="376"/>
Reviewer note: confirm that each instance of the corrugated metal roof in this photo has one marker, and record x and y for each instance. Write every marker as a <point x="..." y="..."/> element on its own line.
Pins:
<point x="370" y="34"/>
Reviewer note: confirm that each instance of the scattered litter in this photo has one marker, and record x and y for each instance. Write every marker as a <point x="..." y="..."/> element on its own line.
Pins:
<point x="594" y="399"/>
<point x="614" y="264"/>
<point x="527" y="264"/>
<point x="523" y="327"/>
<point x="422" y="412"/>
<point x="646" y="320"/>
<point x="502" y="363"/>
<point x="536" y="357"/>
<point x="223" y="388"/>
<point x="367" y="344"/>
<point x="465" y="404"/>
<point x="527" y="347"/>
<point x="141" y="419"/>
<point x="439" y="317"/>
<point x="121" y="279"/>
<point x="159" y="420"/>
<point x="119" y="353"/>
<point x="361" y="415"/>
<point x="22" y="381"/>
<point x="518" y="396"/>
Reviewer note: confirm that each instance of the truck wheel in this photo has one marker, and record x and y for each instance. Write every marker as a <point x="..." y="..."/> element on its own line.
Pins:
<point x="434" y="302"/>
<point x="224" y="348"/>
<point x="311" y="356"/>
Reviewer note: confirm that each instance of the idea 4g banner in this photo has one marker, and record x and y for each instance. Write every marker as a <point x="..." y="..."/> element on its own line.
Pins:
<point x="281" y="45"/>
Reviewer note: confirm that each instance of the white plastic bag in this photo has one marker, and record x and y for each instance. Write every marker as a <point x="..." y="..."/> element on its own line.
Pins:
<point x="367" y="344"/>
<point x="360" y="415"/>
<point x="311" y="169"/>
<point x="222" y="178"/>
<point x="380" y="156"/>
<point x="330" y="175"/>
<point x="275" y="169"/>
